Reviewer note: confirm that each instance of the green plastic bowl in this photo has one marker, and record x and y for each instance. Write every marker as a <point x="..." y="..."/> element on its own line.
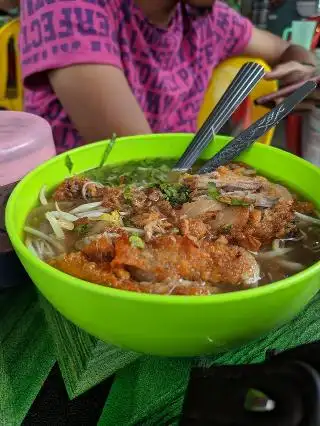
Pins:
<point x="165" y="325"/>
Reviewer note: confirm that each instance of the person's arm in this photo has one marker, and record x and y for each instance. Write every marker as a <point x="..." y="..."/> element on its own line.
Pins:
<point x="99" y="101"/>
<point x="290" y="63"/>
<point x="75" y="46"/>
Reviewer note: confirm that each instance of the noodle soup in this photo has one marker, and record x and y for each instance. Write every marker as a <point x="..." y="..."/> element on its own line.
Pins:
<point x="140" y="227"/>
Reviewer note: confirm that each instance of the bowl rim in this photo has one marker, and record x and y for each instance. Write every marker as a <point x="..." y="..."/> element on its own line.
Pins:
<point x="235" y="296"/>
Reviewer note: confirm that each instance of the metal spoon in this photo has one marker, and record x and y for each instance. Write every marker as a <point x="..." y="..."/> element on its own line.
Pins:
<point x="257" y="129"/>
<point x="243" y="83"/>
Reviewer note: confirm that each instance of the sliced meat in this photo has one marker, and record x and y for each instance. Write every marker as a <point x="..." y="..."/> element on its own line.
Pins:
<point x="257" y="199"/>
<point x="236" y="184"/>
<point x="231" y="180"/>
<point x="263" y="200"/>
<point x="176" y="257"/>
<point x="257" y="190"/>
<point x="274" y="190"/>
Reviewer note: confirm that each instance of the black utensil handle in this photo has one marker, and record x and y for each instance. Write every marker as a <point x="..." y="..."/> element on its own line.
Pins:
<point x="246" y="79"/>
<point x="257" y="129"/>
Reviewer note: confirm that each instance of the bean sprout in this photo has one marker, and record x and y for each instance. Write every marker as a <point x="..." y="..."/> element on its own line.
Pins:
<point x="307" y="219"/>
<point x="291" y="266"/>
<point x="85" y="207"/>
<point x="55" y="226"/>
<point x="43" y="236"/>
<point x="274" y="253"/>
<point x="65" y="224"/>
<point x="42" y="196"/>
<point x="59" y="214"/>
<point x="30" y="246"/>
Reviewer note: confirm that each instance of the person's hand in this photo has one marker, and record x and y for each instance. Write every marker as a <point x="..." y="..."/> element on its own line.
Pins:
<point x="294" y="72"/>
<point x="291" y="72"/>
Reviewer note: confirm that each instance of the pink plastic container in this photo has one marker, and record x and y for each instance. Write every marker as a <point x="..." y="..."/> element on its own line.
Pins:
<point x="25" y="142"/>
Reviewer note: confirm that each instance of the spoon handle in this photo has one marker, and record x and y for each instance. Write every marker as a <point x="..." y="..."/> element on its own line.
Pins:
<point x="243" y="83"/>
<point x="257" y="129"/>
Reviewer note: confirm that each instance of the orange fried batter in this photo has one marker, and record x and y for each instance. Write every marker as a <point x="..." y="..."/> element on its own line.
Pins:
<point x="100" y="249"/>
<point x="252" y="228"/>
<point x="276" y="222"/>
<point x="77" y="264"/>
<point x="194" y="228"/>
<point x="175" y="257"/>
<point x="263" y="227"/>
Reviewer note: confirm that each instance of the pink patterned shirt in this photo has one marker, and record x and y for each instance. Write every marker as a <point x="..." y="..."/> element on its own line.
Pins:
<point x="168" y="70"/>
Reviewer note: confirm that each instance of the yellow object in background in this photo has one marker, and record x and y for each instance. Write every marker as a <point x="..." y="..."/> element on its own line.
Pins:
<point x="11" y="98"/>
<point x="221" y="79"/>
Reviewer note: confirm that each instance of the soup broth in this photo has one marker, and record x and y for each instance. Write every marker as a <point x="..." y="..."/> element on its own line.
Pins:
<point x="140" y="227"/>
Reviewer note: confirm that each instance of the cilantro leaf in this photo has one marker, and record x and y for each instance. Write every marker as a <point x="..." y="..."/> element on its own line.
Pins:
<point x="235" y="202"/>
<point x="127" y="193"/>
<point x="175" y="193"/>
<point x="69" y="163"/>
<point x="82" y="229"/>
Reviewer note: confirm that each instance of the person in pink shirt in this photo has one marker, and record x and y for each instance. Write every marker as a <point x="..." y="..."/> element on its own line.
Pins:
<point x="97" y="67"/>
